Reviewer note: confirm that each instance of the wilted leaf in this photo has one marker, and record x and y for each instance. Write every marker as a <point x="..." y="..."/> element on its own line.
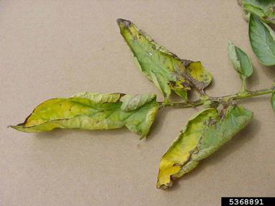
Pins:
<point x="202" y="136"/>
<point x="262" y="40"/>
<point x="165" y="69"/>
<point x="240" y="61"/>
<point x="273" y="101"/>
<point x="265" y="9"/>
<point x="94" y="111"/>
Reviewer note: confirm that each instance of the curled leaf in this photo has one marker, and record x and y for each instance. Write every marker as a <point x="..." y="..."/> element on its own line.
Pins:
<point x="98" y="97"/>
<point x="240" y="61"/>
<point x="163" y="68"/>
<point x="204" y="134"/>
<point x="94" y="111"/>
<point x="265" y="9"/>
<point x="262" y="40"/>
<point x="133" y="102"/>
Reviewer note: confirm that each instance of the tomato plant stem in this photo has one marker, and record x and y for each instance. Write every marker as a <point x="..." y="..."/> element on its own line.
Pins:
<point x="223" y="99"/>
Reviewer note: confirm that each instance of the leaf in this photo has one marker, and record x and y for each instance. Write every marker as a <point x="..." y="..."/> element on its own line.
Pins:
<point x="163" y="68"/>
<point x="196" y="74"/>
<point x="265" y="9"/>
<point x="133" y="102"/>
<point x="204" y="134"/>
<point x="240" y="61"/>
<point x="273" y="101"/>
<point x="262" y="40"/>
<point x="94" y="111"/>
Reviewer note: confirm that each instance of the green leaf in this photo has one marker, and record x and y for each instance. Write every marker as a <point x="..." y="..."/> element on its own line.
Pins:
<point x="94" y="111"/>
<point x="166" y="70"/>
<point x="265" y="9"/>
<point x="273" y="101"/>
<point x="204" y="134"/>
<point x="240" y="61"/>
<point x="262" y="40"/>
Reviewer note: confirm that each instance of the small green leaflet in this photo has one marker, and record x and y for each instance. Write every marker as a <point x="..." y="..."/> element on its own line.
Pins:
<point x="240" y="61"/>
<point x="166" y="70"/>
<point x="203" y="135"/>
<point x="262" y="40"/>
<point x="273" y="101"/>
<point x="94" y="111"/>
<point x="265" y="9"/>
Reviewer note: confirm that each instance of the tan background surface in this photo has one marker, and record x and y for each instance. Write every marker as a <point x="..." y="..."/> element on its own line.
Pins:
<point x="58" y="48"/>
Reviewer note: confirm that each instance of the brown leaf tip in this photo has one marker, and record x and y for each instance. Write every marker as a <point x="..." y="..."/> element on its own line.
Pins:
<point x="123" y="22"/>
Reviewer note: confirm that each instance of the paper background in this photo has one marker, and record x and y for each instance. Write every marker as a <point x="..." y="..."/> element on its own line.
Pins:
<point x="58" y="48"/>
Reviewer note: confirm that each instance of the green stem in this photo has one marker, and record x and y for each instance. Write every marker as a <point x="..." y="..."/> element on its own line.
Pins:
<point x="243" y="89"/>
<point x="227" y="98"/>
